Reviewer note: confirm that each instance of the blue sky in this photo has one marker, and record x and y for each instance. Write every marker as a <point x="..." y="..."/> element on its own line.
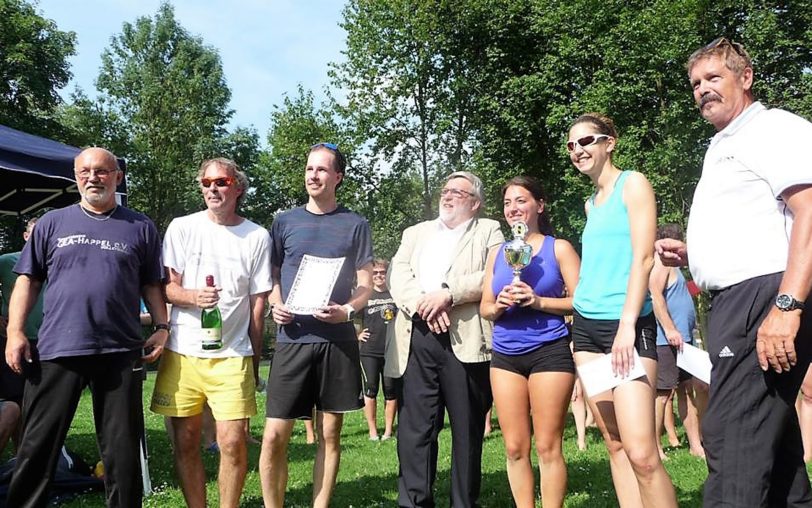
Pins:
<point x="267" y="47"/>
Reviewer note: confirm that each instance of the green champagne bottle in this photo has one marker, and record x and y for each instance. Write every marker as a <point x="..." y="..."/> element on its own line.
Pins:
<point x="211" y="323"/>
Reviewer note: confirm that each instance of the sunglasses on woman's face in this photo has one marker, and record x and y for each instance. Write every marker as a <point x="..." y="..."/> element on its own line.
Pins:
<point x="586" y="141"/>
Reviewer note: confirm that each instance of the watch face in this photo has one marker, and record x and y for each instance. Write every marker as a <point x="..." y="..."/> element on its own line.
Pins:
<point x="783" y="302"/>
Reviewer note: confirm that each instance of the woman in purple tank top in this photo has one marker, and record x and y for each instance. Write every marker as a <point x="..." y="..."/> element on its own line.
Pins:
<point x="532" y="371"/>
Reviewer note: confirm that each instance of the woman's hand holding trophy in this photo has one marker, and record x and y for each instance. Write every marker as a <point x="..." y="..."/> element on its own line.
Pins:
<point x="517" y="255"/>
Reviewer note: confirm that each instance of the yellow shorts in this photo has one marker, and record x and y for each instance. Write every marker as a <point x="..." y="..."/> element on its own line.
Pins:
<point x="185" y="383"/>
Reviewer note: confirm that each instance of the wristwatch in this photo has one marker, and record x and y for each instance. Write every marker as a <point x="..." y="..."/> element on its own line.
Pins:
<point x="350" y="311"/>
<point x="161" y="326"/>
<point x="787" y="302"/>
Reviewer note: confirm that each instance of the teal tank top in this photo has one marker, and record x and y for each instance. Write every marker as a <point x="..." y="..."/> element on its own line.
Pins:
<point x="606" y="259"/>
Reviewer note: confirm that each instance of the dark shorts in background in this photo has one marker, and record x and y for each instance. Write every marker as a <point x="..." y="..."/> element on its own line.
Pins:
<point x="372" y="370"/>
<point x="324" y="375"/>
<point x="11" y="384"/>
<point x="553" y="356"/>
<point x="598" y="335"/>
<point x="669" y="376"/>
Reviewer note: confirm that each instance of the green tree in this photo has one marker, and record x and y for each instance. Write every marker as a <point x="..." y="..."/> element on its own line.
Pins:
<point x="33" y="66"/>
<point x="167" y="93"/>
<point x="536" y="67"/>
<point x="493" y="85"/>
<point x="401" y="95"/>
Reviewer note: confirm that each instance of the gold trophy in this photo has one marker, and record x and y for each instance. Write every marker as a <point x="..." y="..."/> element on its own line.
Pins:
<point x="518" y="252"/>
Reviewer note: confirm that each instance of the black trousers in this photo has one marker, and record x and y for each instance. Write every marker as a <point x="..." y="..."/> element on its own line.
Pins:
<point x="750" y="430"/>
<point x="435" y="381"/>
<point x="52" y="392"/>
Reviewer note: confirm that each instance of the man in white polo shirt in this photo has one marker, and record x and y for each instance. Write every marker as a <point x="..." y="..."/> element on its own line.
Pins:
<point x="750" y="245"/>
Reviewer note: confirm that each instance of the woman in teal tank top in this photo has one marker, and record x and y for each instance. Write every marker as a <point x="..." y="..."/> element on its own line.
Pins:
<point x="612" y="310"/>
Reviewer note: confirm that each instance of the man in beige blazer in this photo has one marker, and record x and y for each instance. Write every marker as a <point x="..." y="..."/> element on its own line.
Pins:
<point x="442" y="347"/>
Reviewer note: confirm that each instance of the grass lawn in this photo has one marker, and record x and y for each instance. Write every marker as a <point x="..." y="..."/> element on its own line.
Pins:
<point x="368" y="474"/>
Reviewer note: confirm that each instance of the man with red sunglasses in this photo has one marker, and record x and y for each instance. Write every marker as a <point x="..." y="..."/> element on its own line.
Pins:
<point x="216" y="242"/>
<point x="749" y="243"/>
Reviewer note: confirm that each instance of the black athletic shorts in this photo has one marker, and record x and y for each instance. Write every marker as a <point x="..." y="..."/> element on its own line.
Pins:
<point x="326" y="375"/>
<point x="598" y="335"/>
<point x="11" y="384"/>
<point x="372" y="370"/>
<point x="668" y="374"/>
<point x="553" y="356"/>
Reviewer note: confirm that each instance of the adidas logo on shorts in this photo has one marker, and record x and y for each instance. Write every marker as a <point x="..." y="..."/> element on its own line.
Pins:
<point x="726" y="353"/>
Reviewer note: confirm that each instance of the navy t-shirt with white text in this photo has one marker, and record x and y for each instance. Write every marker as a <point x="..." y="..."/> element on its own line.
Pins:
<point x="95" y="270"/>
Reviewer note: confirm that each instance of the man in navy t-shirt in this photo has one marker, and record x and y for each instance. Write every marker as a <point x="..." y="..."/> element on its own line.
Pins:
<point x="316" y="362"/>
<point x="98" y="260"/>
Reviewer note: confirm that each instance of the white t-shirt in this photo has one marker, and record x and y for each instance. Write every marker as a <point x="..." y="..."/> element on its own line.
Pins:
<point x="739" y="226"/>
<point x="239" y="258"/>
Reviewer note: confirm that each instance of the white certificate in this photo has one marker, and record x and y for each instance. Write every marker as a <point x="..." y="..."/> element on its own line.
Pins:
<point x="695" y="362"/>
<point x="597" y="376"/>
<point x="313" y="284"/>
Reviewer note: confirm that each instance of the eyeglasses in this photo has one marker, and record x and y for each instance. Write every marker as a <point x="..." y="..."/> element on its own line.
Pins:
<point x="225" y="181"/>
<point x="378" y="272"/>
<point x="586" y="141"/>
<point x="100" y="172"/>
<point x="331" y="146"/>
<point x="455" y="193"/>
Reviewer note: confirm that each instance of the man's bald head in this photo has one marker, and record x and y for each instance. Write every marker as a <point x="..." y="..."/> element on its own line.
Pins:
<point x="96" y="153"/>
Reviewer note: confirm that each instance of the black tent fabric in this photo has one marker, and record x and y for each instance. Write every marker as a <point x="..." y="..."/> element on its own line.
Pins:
<point x="36" y="172"/>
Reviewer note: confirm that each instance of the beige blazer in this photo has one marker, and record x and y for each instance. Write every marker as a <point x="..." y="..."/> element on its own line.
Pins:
<point x="470" y="334"/>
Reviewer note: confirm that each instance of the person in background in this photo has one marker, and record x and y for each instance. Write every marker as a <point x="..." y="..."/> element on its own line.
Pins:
<point x="11" y="384"/>
<point x="581" y="414"/>
<point x="676" y="320"/>
<point x="376" y="319"/>
<point x="532" y="371"/>
<point x="804" y="408"/>
<point x="613" y="312"/>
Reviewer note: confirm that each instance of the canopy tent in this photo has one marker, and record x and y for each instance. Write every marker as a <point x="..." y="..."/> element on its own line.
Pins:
<point x="37" y="172"/>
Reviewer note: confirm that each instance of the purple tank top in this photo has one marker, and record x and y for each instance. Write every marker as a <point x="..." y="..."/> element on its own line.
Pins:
<point x="522" y="329"/>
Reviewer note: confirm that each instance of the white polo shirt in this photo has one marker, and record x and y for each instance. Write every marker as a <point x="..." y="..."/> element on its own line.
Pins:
<point x="739" y="226"/>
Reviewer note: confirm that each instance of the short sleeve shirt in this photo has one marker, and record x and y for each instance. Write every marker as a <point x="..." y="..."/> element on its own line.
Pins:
<point x="95" y="268"/>
<point x="377" y="316"/>
<point x="239" y="258"/>
<point x="7" y="280"/>
<point x="340" y="233"/>
<point x="739" y="226"/>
